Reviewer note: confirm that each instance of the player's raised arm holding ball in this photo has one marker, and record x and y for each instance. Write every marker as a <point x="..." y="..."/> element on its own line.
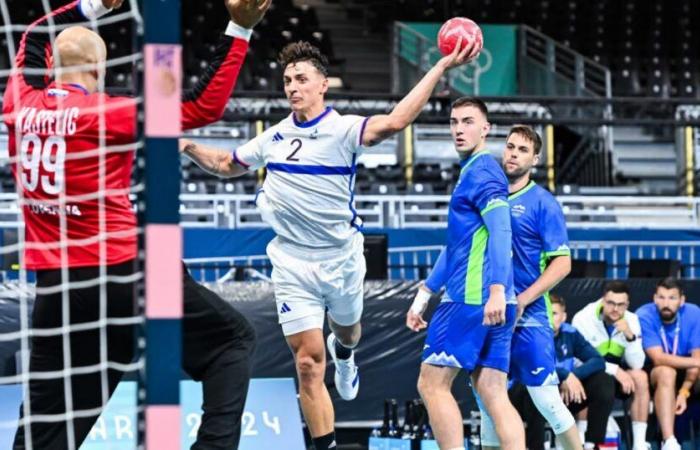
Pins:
<point x="317" y="256"/>
<point x="304" y="106"/>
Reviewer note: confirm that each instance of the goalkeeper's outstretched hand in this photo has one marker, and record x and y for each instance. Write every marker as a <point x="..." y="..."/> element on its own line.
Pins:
<point x="247" y="13"/>
<point x="112" y="4"/>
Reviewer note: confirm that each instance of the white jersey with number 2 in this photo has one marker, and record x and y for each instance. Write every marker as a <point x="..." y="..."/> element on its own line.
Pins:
<point x="307" y="196"/>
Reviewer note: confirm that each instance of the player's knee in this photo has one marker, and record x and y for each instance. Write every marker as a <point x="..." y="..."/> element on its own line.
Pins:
<point x="640" y="378"/>
<point x="491" y="386"/>
<point x="429" y="387"/>
<point x="549" y="403"/>
<point x="664" y="376"/>
<point x="310" y="369"/>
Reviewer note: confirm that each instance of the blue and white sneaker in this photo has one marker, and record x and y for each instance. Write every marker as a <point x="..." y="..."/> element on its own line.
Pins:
<point x="347" y="374"/>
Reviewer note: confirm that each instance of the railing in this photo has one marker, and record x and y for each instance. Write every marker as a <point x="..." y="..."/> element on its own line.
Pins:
<point x="618" y="255"/>
<point x="238" y="211"/>
<point x="563" y="70"/>
<point x="415" y="263"/>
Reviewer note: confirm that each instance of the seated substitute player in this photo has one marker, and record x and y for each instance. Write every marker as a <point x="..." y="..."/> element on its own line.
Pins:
<point x="307" y="199"/>
<point x="671" y="340"/>
<point x="541" y="259"/>
<point x="55" y="140"/>
<point x="615" y="332"/>
<point x="583" y="385"/>
<point x="473" y="326"/>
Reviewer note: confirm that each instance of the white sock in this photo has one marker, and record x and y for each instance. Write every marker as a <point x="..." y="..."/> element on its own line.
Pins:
<point x="582" y="426"/>
<point x="588" y="446"/>
<point x="639" y="434"/>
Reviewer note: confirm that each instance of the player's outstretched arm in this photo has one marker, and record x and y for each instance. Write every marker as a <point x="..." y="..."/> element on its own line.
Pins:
<point x="211" y="160"/>
<point x="206" y="102"/>
<point x="381" y="127"/>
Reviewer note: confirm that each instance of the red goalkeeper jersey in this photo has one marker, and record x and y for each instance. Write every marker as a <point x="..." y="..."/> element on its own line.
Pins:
<point x="72" y="151"/>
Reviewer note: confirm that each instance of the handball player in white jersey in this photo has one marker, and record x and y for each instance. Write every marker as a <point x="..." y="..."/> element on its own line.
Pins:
<point x="307" y="198"/>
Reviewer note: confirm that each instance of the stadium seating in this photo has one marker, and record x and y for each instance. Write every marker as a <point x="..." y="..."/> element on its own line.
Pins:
<point x="651" y="46"/>
<point x="202" y="21"/>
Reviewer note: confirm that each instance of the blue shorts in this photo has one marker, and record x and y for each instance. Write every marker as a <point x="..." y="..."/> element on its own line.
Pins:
<point x="533" y="360"/>
<point x="457" y="338"/>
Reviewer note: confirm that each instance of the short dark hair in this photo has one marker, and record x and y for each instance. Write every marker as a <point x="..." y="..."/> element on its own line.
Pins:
<point x="528" y="133"/>
<point x="670" y="283"/>
<point x="617" y="287"/>
<point x="471" y="101"/>
<point x="556" y="299"/>
<point x="303" y="51"/>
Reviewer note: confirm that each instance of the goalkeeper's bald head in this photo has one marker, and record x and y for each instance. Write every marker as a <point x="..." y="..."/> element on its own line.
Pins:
<point x="79" y="56"/>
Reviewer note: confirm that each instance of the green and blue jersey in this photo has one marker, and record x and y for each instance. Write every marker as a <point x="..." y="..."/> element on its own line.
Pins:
<point x="478" y="252"/>
<point x="539" y="234"/>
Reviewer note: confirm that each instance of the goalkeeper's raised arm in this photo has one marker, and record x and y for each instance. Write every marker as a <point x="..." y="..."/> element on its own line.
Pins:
<point x="81" y="54"/>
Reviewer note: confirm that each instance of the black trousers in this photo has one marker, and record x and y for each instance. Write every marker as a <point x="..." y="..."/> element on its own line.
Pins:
<point x="217" y="346"/>
<point x="600" y="396"/>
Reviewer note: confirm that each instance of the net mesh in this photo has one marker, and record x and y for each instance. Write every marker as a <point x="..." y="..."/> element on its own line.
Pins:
<point x="45" y="163"/>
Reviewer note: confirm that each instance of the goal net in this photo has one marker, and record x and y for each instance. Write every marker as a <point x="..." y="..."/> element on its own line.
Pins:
<point x="71" y="303"/>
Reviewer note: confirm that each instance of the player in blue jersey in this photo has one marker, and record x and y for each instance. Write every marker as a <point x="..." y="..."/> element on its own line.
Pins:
<point x="541" y="259"/>
<point x="472" y="328"/>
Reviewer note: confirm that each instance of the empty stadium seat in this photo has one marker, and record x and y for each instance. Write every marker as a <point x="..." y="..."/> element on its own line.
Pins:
<point x="588" y="269"/>
<point x="644" y="42"/>
<point x="654" y="268"/>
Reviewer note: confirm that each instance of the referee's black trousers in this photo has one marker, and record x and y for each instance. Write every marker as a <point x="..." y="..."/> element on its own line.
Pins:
<point x="217" y="346"/>
<point x="217" y="350"/>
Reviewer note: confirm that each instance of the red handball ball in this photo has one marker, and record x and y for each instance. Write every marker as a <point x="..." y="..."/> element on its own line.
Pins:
<point x="458" y="27"/>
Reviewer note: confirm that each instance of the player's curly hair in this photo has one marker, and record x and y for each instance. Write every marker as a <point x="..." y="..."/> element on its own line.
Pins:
<point x="303" y="51"/>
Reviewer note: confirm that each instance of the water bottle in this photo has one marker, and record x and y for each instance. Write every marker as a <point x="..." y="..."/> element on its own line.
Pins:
<point x="394" y="422"/>
<point x="427" y="432"/>
<point x="408" y="422"/>
<point x="420" y="418"/>
<point x="474" y="429"/>
<point x="384" y="430"/>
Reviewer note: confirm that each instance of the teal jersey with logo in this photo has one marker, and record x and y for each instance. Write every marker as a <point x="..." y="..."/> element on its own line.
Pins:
<point x="482" y="188"/>
<point x="539" y="234"/>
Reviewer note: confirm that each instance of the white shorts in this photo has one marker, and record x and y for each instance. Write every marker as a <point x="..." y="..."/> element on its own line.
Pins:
<point x="309" y="282"/>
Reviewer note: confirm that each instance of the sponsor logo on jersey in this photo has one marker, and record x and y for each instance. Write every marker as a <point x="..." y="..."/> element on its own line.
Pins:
<point x="57" y="92"/>
<point x="517" y="210"/>
<point x="277" y="137"/>
<point x="285" y="308"/>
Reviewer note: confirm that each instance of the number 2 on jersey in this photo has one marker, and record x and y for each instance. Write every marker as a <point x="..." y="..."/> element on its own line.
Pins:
<point x="49" y="156"/>
<point x="297" y="143"/>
